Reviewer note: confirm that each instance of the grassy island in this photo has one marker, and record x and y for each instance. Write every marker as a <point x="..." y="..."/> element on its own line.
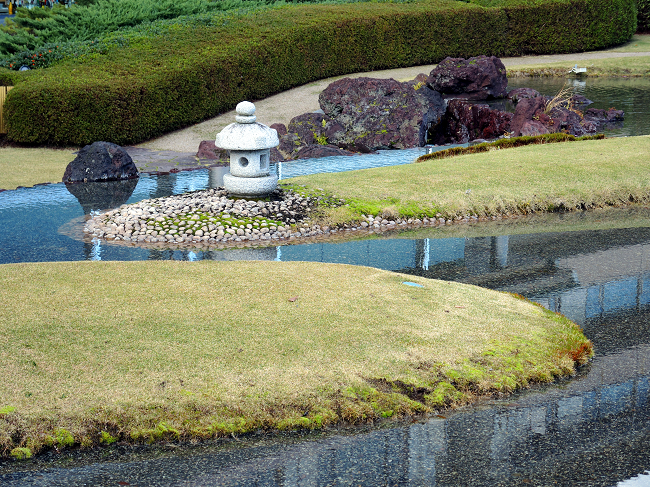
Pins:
<point x="534" y="178"/>
<point x="98" y="352"/>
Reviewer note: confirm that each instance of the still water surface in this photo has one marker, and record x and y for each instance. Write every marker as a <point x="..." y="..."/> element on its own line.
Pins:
<point x="592" y="430"/>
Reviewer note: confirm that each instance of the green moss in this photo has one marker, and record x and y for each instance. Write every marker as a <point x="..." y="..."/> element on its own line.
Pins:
<point x="162" y="430"/>
<point x="21" y="453"/>
<point x="6" y="410"/>
<point x="106" y="438"/>
<point x="60" y="438"/>
<point x="507" y="144"/>
<point x="443" y="395"/>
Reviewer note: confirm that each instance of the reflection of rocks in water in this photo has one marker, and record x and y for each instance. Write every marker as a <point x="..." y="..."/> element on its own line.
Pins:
<point x="102" y="195"/>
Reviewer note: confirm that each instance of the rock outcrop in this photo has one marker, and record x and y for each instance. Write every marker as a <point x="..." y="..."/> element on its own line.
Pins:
<point x="522" y="93"/>
<point x="380" y="113"/>
<point x="208" y="150"/>
<point x="100" y="161"/>
<point x="466" y="121"/>
<point x="533" y="116"/>
<point x="476" y="78"/>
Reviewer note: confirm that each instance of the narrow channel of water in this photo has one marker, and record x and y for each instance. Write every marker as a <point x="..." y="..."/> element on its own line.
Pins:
<point x="592" y="430"/>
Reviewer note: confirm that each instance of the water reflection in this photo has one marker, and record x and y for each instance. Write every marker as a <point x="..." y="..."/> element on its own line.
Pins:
<point x="628" y="94"/>
<point x="102" y="195"/>
<point x="600" y="421"/>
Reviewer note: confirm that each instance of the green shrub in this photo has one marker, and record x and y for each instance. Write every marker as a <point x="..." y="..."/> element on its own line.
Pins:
<point x="188" y="72"/>
<point x="643" y="16"/>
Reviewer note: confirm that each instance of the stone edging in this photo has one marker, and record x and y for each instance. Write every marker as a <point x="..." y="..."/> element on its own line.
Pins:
<point x="211" y="220"/>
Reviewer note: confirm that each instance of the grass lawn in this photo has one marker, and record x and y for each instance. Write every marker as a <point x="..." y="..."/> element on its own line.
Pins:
<point x="93" y="352"/>
<point x="534" y="178"/>
<point x="627" y="66"/>
<point x="27" y="167"/>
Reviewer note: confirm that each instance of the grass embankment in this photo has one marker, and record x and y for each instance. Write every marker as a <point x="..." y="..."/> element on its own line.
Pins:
<point x="142" y="351"/>
<point x="27" y="167"/>
<point x="603" y="66"/>
<point x="552" y="177"/>
<point x="614" y="67"/>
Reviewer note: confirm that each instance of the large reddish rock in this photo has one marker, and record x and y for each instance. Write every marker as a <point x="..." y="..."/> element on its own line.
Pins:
<point x="476" y="78"/>
<point x="100" y="161"/>
<point x="526" y="109"/>
<point x="381" y="113"/>
<point x="316" y="150"/>
<point x="465" y="121"/>
<point x="209" y="150"/>
<point x="308" y="129"/>
<point x="522" y="93"/>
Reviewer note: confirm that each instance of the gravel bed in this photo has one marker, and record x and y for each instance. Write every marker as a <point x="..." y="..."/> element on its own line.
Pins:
<point x="209" y="218"/>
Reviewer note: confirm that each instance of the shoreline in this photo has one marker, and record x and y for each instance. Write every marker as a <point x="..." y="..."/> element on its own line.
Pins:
<point x="371" y="225"/>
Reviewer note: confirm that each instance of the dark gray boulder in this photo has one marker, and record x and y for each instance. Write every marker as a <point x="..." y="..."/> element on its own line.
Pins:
<point x="100" y="161"/>
<point x="380" y="113"/>
<point x="476" y="78"/>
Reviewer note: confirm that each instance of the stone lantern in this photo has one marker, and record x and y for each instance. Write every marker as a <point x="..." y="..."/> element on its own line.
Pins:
<point x="250" y="146"/>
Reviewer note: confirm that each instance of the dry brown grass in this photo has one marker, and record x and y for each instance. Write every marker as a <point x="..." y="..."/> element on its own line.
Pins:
<point x="146" y="350"/>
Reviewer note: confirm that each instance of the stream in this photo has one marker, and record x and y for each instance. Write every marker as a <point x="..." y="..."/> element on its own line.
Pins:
<point x="590" y="430"/>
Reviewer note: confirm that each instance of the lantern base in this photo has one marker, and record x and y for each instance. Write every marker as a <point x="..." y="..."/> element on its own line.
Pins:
<point x="250" y="187"/>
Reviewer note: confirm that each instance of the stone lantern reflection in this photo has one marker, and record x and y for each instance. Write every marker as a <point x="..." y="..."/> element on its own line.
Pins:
<point x="250" y="146"/>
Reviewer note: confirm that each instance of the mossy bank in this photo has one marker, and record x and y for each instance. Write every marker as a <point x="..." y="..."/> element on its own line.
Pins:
<point x="97" y="352"/>
<point x="531" y="179"/>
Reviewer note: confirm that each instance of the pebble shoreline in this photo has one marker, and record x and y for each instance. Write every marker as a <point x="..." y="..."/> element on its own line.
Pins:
<point x="209" y="218"/>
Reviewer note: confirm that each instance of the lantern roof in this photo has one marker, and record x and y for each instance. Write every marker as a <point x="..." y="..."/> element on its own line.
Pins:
<point x="246" y="134"/>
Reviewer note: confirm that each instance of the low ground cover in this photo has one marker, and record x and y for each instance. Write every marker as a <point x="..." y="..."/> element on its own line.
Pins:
<point x="97" y="352"/>
<point x="533" y="178"/>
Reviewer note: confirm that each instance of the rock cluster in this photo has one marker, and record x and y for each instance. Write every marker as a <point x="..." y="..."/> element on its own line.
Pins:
<point x="210" y="219"/>
<point x="206" y="216"/>
<point x="362" y="115"/>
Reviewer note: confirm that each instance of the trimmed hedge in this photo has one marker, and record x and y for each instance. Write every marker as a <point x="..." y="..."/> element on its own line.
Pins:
<point x="643" y="17"/>
<point x="195" y="72"/>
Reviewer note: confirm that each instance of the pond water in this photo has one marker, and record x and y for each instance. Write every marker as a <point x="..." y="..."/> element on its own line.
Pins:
<point x="632" y="95"/>
<point x="592" y="430"/>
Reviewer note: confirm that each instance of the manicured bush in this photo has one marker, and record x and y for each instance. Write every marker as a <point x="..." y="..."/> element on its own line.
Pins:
<point x="643" y="16"/>
<point x="187" y="73"/>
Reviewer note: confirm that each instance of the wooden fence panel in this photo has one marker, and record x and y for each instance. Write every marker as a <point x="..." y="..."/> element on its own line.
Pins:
<point x="3" y="96"/>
